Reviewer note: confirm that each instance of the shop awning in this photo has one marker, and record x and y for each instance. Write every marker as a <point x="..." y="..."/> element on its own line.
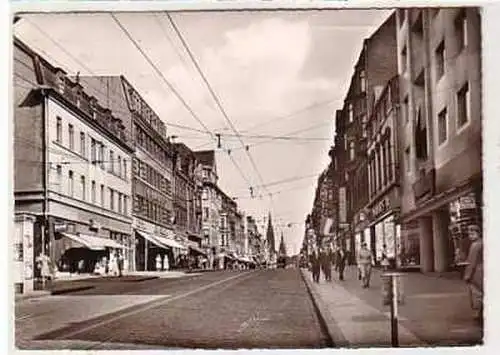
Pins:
<point x="171" y="243"/>
<point x="152" y="239"/>
<point x="92" y="242"/>
<point x="198" y="250"/>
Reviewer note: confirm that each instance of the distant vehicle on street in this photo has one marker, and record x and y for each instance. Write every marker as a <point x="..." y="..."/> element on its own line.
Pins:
<point x="282" y="262"/>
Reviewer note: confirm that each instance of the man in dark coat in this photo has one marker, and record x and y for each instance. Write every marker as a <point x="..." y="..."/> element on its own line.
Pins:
<point x="315" y="264"/>
<point x="341" y="259"/>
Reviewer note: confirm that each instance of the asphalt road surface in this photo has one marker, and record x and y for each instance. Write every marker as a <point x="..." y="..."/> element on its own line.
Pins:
<point x="244" y="309"/>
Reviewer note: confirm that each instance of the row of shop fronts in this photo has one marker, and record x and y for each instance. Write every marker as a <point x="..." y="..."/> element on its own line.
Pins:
<point x="432" y="237"/>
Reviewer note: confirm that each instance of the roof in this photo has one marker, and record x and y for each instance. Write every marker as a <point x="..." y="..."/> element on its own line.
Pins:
<point x="205" y="157"/>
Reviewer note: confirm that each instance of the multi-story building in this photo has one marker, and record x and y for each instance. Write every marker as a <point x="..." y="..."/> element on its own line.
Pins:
<point x="324" y="209"/>
<point x="254" y="240"/>
<point x="382" y="230"/>
<point x="187" y="199"/>
<point x="211" y="204"/>
<point x="377" y="63"/>
<point x="439" y="57"/>
<point x="72" y="172"/>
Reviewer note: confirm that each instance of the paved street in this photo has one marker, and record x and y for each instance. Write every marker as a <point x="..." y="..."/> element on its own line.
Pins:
<point x="265" y="308"/>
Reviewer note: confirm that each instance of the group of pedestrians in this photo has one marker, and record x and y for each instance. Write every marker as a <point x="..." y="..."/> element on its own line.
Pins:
<point x="323" y="259"/>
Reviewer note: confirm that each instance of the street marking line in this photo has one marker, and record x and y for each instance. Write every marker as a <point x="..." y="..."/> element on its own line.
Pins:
<point x="155" y="304"/>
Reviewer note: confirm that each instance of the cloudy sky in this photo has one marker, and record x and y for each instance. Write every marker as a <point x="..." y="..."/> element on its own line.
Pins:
<point x="274" y="73"/>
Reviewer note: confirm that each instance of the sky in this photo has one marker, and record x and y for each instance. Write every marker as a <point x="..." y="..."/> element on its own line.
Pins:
<point x="274" y="73"/>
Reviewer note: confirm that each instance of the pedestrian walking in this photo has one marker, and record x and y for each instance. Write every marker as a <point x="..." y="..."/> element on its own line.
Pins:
<point x="385" y="259"/>
<point x="315" y="265"/>
<point x="365" y="262"/>
<point x="341" y="260"/>
<point x="473" y="274"/>
<point x="120" y="263"/>
<point x="159" y="262"/>
<point x="326" y="264"/>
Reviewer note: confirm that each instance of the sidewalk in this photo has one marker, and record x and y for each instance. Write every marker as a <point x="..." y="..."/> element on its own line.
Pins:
<point x="72" y="283"/>
<point x="435" y="311"/>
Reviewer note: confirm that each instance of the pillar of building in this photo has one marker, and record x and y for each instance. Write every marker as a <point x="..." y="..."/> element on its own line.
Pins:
<point x="440" y="222"/>
<point x="426" y="244"/>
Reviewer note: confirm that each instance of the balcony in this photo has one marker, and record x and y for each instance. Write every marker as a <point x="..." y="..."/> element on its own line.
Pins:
<point x="425" y="184"/>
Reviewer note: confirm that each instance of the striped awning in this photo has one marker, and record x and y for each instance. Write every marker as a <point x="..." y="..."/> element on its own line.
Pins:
<point x="152" y="239"/>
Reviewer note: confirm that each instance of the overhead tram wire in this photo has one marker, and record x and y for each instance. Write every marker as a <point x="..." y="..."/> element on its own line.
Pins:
<point x="171" y="87"/>
<point x="214" y="96"/>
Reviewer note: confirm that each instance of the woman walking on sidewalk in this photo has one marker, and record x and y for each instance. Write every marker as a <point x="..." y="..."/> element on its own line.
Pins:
<point x="473" y="274"/>
<point x="365" y="262"/>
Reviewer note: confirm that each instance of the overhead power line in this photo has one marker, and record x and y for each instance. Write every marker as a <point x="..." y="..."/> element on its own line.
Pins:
<point x="160" y="74"/>
<point x="212" y="92"/>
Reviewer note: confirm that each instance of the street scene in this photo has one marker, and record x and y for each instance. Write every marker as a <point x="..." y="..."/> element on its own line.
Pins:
<point x="278" y="179"/>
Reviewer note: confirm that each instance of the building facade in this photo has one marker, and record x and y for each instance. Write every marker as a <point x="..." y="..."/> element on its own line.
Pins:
<point x="211" y="204"/>
<point x="382" y="228"/>
<point x="377" y="63"/>
<point x="72" y="173"/>
<point x="187" y="200"/>
<point x="439" y="57"/>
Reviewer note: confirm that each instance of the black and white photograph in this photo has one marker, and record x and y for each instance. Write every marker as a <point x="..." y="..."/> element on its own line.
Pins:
<point x="288" y="178"/>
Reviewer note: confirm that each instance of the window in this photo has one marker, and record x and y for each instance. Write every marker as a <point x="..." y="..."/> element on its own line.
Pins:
<point x="205" y="194"/>
<point x="119" y="202"/>
<point x="59" y="178"/>
<point x="93" y="150"/>
<point x="101" y="155"/>
<point x="59" y="130"/>
<point x="83" y="188"/>
<point x="205" y="214"/>
<point x="119" y="166"/>
<point x="404" y="59"/>
<point x="406" y="109"/>
<point x="407" y="159"/>
<point x="362" y="80"/>
<point x="352" y="150"/>
<point x="82" y="144"/>
<point x="442" y="126"/>
<point x="71" y="136"/>
<point x="102" y="196"/>
<point x="70" y="184"/>
<point x="440" y="66"/>
<point x="125" y="205"/>
<point x="463" y="103"/>
<point x="125" y="169"/>
<point x="111" y="161"/>
<point x="345" y="142"/>
<point x="462" y="32"/>
<point x="92" y="192"/>
<point x="351" y="113"/>
<point x="111" y="199"/>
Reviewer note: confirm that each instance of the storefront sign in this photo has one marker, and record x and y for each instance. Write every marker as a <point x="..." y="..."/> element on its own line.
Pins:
<point x="381" y="207"/>
<point x="60" y="227"/>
